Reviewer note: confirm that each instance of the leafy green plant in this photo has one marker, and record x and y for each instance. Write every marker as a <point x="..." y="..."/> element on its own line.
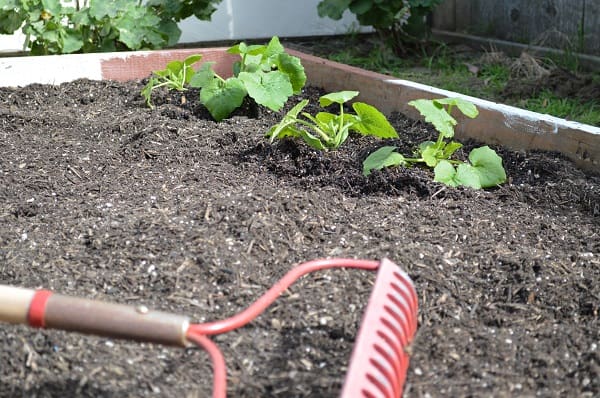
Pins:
<point x="266" y="73"/>
<point x="175" y="76"/>
<point x="484" y="168"/>
<point x="59" y="27"/>
<point x="327" y="130"/>
<point x="403" y="22"/>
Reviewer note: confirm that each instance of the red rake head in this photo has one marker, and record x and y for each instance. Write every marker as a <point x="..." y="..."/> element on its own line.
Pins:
<point x="380" y="359"/>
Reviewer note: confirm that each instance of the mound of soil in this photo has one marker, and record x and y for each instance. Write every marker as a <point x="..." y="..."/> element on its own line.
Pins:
<point x="559" y="81"/>
<point x="104" y="198"/>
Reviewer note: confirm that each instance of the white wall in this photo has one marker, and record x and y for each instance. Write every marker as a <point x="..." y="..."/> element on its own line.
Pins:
<point x="246" y="19"/>
<point x="11" y="43"/>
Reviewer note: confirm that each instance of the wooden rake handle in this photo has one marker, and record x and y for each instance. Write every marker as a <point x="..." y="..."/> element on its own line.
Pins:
<point x="44" y="309"/>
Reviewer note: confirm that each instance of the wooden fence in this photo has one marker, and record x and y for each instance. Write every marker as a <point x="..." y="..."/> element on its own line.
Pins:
<point x="571" y="25"/>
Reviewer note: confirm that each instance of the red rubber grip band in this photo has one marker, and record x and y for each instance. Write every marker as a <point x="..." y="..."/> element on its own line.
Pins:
<point x="37" y="309"/>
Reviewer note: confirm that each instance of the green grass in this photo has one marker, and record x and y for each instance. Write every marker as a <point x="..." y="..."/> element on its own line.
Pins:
<point x="566" y="108"/>
<point x="448" y="71"/>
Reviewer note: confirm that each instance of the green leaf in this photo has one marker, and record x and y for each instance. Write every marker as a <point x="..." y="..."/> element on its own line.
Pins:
<point x="424" y="145"/>
<point x="339" y="138"/>
<point x="464" y="175"/>
<point x="81" y="17"/>
<point x="129" y="33"/>
<point x="293" y="68"/>
<point x="204" y="76"/>
<point x="373" y="122"/>
<point x="174" y="67"/>
<point x="274" y="47"/>
<point x="279" y="130"/>
<point x="328" y="122"/>
<point x="269" y="89"/>
<point x="72" y="42"/>
<point x="147" y="91"/>
<point x="361" y="6"/>
<point x="236" y="49"/>
<point x="450" y="148"/>
<point x="10" y="21"/>
<point x="222" y="98"/>
<point x="468" y="176"/>
<point x="333" y="9"/>
<point x="254" y="63"/>
<point x="383" y="157"/>
<point x="435" y="114"/>
<point x="101" y="8"/>
<point x="244" y="49"/>
<point x="192" y="59"/>
<point x="52" y="6"/>
<point x="339" y="97"/>
<point x="311" y="140"/>
<point x="431" y="155"/>
<point x="488" y="165"/>
<point x="171" y="30"/>
<point x="466" y="107"/>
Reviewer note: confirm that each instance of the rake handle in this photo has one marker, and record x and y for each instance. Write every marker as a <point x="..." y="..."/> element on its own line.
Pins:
<point x="44" y="309"/>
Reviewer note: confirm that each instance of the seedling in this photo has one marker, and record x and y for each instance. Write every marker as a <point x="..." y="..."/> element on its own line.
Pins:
<point x="327" y="130"/>
<point x="483" y="170"/>
<point x="265" y="72"/>
<point x="175" y="77"/>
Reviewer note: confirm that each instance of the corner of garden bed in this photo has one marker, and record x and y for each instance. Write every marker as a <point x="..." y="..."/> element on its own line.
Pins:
<point x="497" y="124"/>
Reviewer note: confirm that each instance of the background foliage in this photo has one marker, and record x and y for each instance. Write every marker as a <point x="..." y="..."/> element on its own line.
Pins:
<point x="52" y="27"/>
<point x="402" y="22"/>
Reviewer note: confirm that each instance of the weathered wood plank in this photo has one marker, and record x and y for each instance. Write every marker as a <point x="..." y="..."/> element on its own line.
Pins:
<point x="550" y="23"/>
<point x="592" y="27"/>
<point x="445" y="16"/>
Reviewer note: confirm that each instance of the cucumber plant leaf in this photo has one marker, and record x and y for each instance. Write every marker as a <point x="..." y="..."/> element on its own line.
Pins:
<point x="281" y="130"/>
<point x="204" y="76"/>
<point x="466" y="107"/>
<point x="373" y="122"/>
<point x="463" y="175"/>
<point x="339" y="97"/>
<point x="431" y="155"/>
<point x="274" y="48"/>
<point x="450" y="148"/>
<point x="269" y="89"/>
<point x="488" y="165"/>
<point x="292" y="67"/>
<point x="221" y="98"/>
<point x="385" y="156"/>
<point x="435" y="114"/>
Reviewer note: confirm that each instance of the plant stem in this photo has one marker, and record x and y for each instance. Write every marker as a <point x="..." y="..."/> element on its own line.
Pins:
<point x="316" y="129"/>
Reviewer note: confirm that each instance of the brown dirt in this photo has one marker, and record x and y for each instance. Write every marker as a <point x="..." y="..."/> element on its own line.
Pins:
<point x="559" y="81"/>
<point x="103" y="198"/>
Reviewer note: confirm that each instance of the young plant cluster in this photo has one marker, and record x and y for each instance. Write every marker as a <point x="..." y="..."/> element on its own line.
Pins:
<point x="61" y="27"/>
<point x="327" y="130"/>
<point x="269" y="75"/>
<point x="483" y="169"/>
<point x="266" y="73"/>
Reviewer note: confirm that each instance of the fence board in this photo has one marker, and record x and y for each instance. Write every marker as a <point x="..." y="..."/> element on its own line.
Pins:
<point x="550" y="23"/>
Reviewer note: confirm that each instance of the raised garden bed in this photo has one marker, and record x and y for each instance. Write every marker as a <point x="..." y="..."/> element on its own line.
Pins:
<point x="105" y="198"/>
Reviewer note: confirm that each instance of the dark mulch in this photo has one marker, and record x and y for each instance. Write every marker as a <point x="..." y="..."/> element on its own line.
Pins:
<point x="104" y="198"/>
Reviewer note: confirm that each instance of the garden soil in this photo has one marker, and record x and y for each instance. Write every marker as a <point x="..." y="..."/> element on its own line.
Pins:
<point x="104" y="198"/>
